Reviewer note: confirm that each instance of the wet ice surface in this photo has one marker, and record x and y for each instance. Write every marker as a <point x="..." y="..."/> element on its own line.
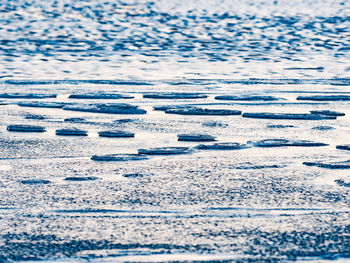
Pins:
<point x="152" y="197"/>
<point x="118" y="69"/>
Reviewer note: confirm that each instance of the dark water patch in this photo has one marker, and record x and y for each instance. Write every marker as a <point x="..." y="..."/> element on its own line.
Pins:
<point x="111" y="108"/>
<point x="81" y="178"/>
<point x="35" y="181"/>
<point x="119" y="157"/>
<point x="214" y="124"/>
<point x="247" y="98"/>
<point x="328" y="113"/>
<point x="342" y="183"/>
<point x="325" y="98"/>
<point x="99" y="95"/>
<point x="196" y="137"/>
<point x="25" y="128"/>
<point x="222" y="146"/>
<point x="44" y="104"/>
<point x="71" y="132"/>
<point x="200" y="111"/>
<point x="165" y="151"/>
<point x="344" y="147"/>
<point x="330" y="165"/>
<point x="279" y="126"/>
<point x="116" y="134"/>
<point x="285" y="142"/>
<point x="174" y="95"/>
<point x="26" y="96"/>
<point x="323" y="128"/>
<point x="287" y="116"/>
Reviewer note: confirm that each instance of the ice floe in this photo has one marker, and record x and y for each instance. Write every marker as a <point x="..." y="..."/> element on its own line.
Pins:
<point x="35" y="181"/>
<point x="200" y="111"/>
<point x="285" y="142"/>
<point x="42" y="104"/>
<point x="25" y="128"/>
<point x="165" y="151"/>
<point x="99" y="95"/>
<point x="325" y="97"/>
<point x="344" y="147"/>
<point x="136" y="175"/>
<point x="327" y="112"/>
<point x="196" y="137"/>
<point x="75" y="120"/>
<point x="71" y="132"/>
<point x="112" y="108"/>
<point x="323" y="128"/>
<point x="287" y="116"/>
<point x="222" y="146"/>
<point x="26" y="96"/>
<point x="81" y="178"/>
<point x="213" y="124"/>
<point x="119" y="157"/>
<point x="34" y="117"/>
<point x="174" y="95"/>
<point x="247" y="98"/>
<point x="115" y="134"/>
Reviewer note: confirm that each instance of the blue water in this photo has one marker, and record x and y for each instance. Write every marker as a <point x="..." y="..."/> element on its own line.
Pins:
<point x="157" y="39"/>
<point x="250" y="204"/>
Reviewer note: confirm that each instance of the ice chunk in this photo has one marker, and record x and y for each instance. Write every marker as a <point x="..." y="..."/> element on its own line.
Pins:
<point x="325" y="98"/>
<point x="115" y="134"/>
<point x="287" y="116"/>
<point x="247" y="98"/>
<point x="119" y="157"/>
<point x="34" y="117"/>
<point x="222" y="146"/>
<point x="327" y="112"/>
<point x="26" y="96"/>
<point x="199" y="111"/>
<point x="42" y="104"/>
<point x="165" y="151"/>
<point x="136" y="175"/>
<point x="99" y="95"/>
<point x="284" y="142"/>
<point x="25" y="128"/>
<point x="76" y="120"/>
<point x="344" y="147"/>
<point x="323" y="128"/>
<point x="35" y="181"/>
<point x="112" y="108"/>
<point x="195" y="137"/>
<point x="174" y="95"/>
<point x="81" y="178"/>
<point x="71" y="132"/>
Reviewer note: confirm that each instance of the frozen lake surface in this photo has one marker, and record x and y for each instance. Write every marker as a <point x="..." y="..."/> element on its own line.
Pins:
<point x="225" y="131"/>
